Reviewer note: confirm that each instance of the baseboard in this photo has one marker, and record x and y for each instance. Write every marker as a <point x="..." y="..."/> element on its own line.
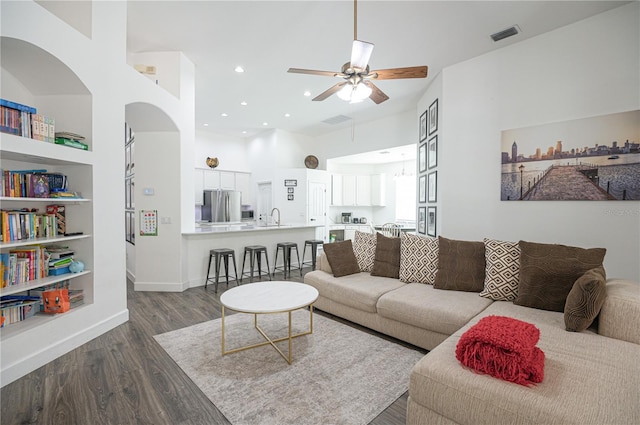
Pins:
<point x="160" y="287"/>
<point x="51" y="352"/>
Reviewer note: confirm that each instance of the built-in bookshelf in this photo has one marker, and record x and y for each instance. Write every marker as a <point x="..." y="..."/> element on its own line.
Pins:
<point x="18" y="152"/>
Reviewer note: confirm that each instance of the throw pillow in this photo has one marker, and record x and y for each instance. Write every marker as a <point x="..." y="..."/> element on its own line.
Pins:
<point x="585" y="300"/>
<point x="418" y="258"/>
<point x="387" y="260"/>
<point x="341" y="258"/>
<point x="364" y="247"/>
<point x="461" y="265"/>
<point x="502" y="272"/>
<point x="548" y="272"/>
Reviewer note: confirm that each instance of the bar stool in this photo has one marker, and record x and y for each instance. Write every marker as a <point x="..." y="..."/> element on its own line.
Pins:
<point x="255" y="253"/>
<point x="286" y="253"/>
<point x="217" y="255"/>
<point x="314" y="250"/>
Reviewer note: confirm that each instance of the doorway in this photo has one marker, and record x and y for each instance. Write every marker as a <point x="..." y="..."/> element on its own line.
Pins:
<point x="265" y="201"/>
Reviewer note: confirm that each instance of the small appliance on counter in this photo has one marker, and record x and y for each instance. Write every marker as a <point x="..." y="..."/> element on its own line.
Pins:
<point x="356" y="220"/>
<point x="363" y="220"/>
<point x="346" y="218"/>
<point x="247" y="213"/>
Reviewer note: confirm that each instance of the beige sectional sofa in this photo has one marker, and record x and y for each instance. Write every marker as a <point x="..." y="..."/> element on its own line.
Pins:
<point x="590" y="377"/>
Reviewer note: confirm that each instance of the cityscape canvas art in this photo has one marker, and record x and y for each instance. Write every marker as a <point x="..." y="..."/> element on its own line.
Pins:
<point x="596" y="158"/>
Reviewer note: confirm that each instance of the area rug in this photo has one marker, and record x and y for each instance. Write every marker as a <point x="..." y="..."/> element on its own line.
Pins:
<point x="339" y="375"/>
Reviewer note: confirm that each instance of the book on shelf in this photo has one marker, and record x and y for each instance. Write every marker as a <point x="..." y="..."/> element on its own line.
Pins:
<point x="27" y="224"/>
<point x="71" y="143"/>
<point x="31" y="183"/>
<point x="59" y="211"/>
<point x="16" y="308"/>
<point x="69" y="135"/>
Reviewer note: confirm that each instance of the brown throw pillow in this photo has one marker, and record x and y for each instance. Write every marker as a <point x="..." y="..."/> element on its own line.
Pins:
<point x="341" y="258"/>
<point x="585" y="300"/>
<point x="548" y="272"/>
<point x="387" y="260"/>
<point x="461" y="265"/>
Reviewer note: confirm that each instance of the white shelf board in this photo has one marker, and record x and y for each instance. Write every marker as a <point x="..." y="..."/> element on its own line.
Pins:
<point x="40" y="241"/>
<point x="46" y="200"/>
<point x="29" y="150"/>
<point x="35" y="321"/>
<point x="33" y="284"/>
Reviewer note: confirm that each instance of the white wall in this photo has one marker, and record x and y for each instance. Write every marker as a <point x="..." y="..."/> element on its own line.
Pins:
<point x="231" y="151"/>
<point x="586" y="69"/>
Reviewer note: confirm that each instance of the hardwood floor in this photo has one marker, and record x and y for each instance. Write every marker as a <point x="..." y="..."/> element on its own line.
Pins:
<point x="124" y="377"/>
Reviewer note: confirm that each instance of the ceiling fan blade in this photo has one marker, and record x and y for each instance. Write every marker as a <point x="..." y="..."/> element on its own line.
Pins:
<point x="360" y="54"/>
<point x="325" y="94"/>
<point x="396" y="73"/>
<point x="314" y="72"/>
<point x="377" y="95"/>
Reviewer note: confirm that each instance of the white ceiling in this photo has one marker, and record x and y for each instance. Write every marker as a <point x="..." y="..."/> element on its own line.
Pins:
<point x="268" y="37"/>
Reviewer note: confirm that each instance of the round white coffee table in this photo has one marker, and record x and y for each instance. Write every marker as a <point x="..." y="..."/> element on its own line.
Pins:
<point x="269" y="298"/>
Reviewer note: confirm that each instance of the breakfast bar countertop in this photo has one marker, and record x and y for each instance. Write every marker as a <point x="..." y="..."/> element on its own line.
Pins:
<point x="204" y="229"/>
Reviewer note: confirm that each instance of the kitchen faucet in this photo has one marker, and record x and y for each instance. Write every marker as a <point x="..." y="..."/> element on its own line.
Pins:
<point x="278" y="220"/>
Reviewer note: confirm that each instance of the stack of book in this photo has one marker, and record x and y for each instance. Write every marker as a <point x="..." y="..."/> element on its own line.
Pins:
<point x="16" y="308"/>
<point x="71" y="139"/>
<point x="59" y="266"/>
<point x="31" y="183"/>
<point x="25" y="224"/>
<point x="22" y="265"/>
<point x="23" y="120"/>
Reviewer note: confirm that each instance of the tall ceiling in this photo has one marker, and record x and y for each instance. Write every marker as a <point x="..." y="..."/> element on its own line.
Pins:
<point x="268" y="37"/>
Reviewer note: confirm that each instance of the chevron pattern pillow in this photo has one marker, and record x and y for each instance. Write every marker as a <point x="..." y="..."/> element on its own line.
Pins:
<point x="364" y="247"/>
<point x="502" y="273"/>
<point x="418" y="258"/>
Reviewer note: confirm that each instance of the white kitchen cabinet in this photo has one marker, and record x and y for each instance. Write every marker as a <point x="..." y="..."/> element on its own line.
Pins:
<point x="378" y="186"/>
<point x="227" y="180"/>
<point x="198" y="185"/>
<point x="349" y="190"/>
<point x="211" y="180"/>
<point x="336" y="189"/>
<point x="363" y="190"/>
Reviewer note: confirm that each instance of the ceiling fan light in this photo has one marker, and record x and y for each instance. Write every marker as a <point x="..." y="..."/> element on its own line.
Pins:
<point x="354" y="94"/>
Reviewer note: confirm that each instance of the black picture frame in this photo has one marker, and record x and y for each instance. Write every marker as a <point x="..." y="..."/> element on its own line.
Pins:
<point x="431" y="218"/>
<point x="432" y="186"/>
<point x="433" y="117"/>
<point x="422" y="158"/>
<point x="432" y="152"/>
<point x="423" y="126"/>
<point x="422" y="189"/>
<point x="422" y="220"/>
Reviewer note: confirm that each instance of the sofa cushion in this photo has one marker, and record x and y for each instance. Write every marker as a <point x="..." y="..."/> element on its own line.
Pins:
<point x="424" y="306"/>
<point x="341" y="258"/>
<point x="620" y="313"/>
<point x="502" y="272"/>
<point x="360" y="290"/>
<point x="461" y="265"/>
<point x="364" y="247"/>
<point x="323" y="262"/>
<point x="585" y="300"/>
<point x="588" y="379"/>
<point x="387" y="260"/>
<point x="418" y="258"/>
<point x="548" y="272"/>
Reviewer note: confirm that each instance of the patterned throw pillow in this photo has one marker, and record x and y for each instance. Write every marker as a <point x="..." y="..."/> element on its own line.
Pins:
<point x="418" y="258"/>
<point x="364" y="247"/>
<point x="585" y="300"/>
<point x="502" y="273"/>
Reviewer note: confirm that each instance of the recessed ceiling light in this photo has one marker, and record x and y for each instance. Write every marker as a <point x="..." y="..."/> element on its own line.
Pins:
<point x="265" y="123"/>
<point x="224" y="114"/>
<point x="384" y="152"/>
<point x="244" y="131"/>
<point x="206" y="125"/>
<point x="287" y="115"/>
<point x="239" y="69"/>
<point x="307" y="93"/>
<point x="243" y="103"/>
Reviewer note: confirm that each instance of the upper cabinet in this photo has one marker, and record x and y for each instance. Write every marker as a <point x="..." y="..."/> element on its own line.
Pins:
<point x="207" y="179"/>
<point x="357" y="190"/>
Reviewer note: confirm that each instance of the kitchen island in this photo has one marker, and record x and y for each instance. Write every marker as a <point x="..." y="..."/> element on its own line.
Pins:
<point x="196" y="245"/>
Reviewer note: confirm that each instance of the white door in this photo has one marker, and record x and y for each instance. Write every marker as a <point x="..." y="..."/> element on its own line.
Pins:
<point x="264" y="201"/>
<point x="317" y="207"/>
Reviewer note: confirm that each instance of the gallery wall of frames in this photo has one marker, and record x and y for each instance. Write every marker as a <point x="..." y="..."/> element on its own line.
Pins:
<point x="427" y="170"/>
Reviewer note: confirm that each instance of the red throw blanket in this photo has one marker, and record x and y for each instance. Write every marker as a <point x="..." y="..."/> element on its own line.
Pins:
<point x="503" y="347"/>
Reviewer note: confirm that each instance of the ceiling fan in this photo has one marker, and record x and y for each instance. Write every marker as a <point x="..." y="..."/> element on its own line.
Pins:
<point x="358" y="85"/>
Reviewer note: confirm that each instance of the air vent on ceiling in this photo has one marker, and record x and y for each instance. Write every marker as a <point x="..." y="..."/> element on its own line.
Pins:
<point x="337" y="119"/>
<point x="500" y="35"/>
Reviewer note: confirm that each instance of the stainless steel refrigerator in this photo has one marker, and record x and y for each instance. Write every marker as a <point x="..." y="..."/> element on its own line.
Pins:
<point x="221" y="206"/>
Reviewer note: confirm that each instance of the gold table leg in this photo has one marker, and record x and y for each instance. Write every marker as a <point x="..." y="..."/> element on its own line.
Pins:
<point x="270" y="341"/>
